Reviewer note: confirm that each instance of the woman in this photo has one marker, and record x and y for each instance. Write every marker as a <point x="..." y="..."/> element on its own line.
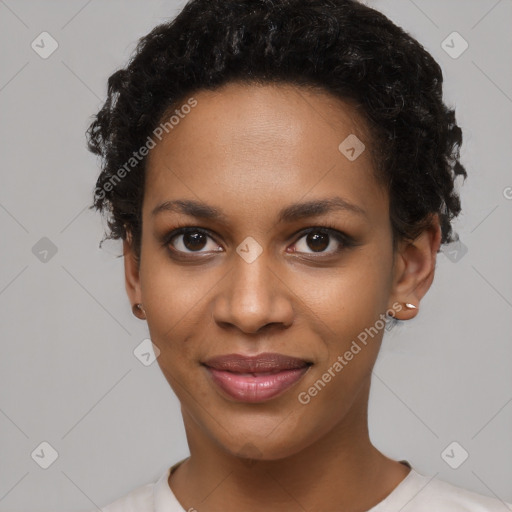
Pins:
<point x="282" y="175"/>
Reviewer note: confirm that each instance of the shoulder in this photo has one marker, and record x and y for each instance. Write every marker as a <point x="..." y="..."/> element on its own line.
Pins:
<point x="138" y="500"/>
<point x="151" y="497"/>
<point x="441" y="496"/>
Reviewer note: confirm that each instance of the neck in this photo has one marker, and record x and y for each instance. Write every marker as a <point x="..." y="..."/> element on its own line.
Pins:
<point x="341" y="470"/>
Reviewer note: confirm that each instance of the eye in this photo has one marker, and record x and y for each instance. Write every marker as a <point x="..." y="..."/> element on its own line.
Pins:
<point x="315" y="240"/>
<point x="191" y="240"/>
<point x="321" y="240"/>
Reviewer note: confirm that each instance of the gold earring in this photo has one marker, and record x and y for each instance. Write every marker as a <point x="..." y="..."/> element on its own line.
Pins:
<point x="138" y="311"/>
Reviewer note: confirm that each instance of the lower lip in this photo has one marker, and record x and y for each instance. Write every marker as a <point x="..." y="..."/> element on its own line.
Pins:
<point x="248" y="388"/>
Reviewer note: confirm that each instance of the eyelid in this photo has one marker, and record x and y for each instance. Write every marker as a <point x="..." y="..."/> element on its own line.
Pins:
<point x="342" y="238"/>
<point x="182" y="230"/>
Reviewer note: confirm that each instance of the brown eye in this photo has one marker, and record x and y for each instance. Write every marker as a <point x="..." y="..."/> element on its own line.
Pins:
<point x="190" y="240"/>
<point x="321" y="240"/>
<point x="317" y="241"/>
<point x="194" y="241"/>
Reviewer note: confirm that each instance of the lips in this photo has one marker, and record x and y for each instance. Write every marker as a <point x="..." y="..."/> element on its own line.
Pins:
<point x="255" y="378"/>
<point x="261" y="363"/>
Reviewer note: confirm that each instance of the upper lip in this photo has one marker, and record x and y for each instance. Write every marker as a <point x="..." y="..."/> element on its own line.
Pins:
<point x="265" y="362"/>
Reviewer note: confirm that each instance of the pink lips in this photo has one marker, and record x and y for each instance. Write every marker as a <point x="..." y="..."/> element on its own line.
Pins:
<point x="255" y="378"/>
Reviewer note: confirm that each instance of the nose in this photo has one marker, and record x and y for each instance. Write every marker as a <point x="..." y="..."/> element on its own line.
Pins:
<point x="253" y="298"/>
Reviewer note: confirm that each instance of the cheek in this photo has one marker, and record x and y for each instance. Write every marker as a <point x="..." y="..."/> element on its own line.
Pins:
<point x="348" y="298"/>
<point x="172" y="293"/>
<point x="345" y="309"/>
<point x="173" y="299"/>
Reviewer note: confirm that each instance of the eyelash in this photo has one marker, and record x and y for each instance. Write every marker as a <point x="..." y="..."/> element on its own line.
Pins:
<point x="343" y="239"/>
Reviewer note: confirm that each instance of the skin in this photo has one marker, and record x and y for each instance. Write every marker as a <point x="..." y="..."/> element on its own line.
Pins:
<point x="251" y="150"/>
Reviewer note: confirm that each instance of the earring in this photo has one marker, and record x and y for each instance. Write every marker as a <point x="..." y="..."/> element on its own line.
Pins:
<point x="138" y="311"/>
<point x="408" y="305"/>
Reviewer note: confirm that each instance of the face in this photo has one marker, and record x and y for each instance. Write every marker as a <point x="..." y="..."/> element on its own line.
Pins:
<point x="288" y="251"/>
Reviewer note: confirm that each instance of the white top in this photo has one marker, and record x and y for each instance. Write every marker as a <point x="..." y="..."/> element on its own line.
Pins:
<point x="415" y="493"/>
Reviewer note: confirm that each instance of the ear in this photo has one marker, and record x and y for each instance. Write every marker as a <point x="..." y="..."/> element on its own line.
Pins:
<point x="414" y="269"/>
<point x="131" y="271"/>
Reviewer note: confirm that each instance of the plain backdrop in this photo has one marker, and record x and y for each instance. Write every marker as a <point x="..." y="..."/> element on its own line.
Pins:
<point x="68" y="373"/>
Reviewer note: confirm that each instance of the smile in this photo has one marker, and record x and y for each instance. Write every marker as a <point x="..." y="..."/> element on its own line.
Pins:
<point x="255" y="378"/>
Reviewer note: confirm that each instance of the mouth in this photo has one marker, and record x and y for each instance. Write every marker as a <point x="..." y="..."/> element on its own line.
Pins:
<point x="255" y="378"/>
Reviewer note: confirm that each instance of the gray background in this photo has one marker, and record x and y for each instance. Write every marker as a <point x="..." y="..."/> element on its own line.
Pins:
<point x="68" y="375"/>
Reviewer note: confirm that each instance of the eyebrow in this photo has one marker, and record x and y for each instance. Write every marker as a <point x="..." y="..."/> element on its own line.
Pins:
<point x="317" y="207"/>
<point x="291" y="213"/>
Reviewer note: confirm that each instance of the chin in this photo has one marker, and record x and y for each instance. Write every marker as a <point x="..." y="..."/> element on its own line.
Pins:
<point x="261" y="443"/>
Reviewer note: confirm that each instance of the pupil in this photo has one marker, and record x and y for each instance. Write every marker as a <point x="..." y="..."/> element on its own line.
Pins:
<point x="318" y="241"/>
<point x="194" y="241"/>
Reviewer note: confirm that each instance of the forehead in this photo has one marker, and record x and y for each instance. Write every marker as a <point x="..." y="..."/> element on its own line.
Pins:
<point x="251" y="146"/>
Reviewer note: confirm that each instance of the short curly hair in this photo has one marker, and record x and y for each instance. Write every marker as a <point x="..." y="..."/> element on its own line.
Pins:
<point x="341" y="47"/>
